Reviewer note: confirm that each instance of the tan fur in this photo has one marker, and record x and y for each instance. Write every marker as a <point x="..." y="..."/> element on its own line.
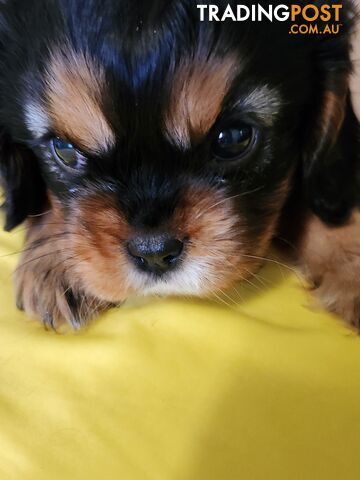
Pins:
<point x="330" y="259"/>
<point x="100" y="234"/>
<point x="196" y="98"/>
<point x="333" y="114"/>
<point x="74" y="88"/>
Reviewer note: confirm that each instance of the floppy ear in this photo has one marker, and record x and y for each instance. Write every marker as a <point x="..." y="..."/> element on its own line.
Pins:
<point x="332" y="154"/>
<point x="21" y="181"/>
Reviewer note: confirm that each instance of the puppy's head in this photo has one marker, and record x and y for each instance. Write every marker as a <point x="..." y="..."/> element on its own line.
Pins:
<point x="165" y="146"/>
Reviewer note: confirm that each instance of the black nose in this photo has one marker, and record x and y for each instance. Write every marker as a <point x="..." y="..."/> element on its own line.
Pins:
<point x="155" y="254"/>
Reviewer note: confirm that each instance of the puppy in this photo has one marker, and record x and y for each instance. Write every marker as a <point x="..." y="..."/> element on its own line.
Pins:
<point x="152" y="153"/>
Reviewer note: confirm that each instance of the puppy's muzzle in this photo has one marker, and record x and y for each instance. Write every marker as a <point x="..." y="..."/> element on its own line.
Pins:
<point x="156" y="254"/>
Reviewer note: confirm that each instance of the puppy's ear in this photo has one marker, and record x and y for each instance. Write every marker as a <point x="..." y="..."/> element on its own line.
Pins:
<point x="21" y="182"/>
<point x="331" y="157"/>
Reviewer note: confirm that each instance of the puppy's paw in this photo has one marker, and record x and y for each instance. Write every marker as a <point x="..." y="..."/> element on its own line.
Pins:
<point x="45" y="294"/>
<point x="331" y="263"/>
<point x="338" y="289"/>
<point x="45" y="285"/>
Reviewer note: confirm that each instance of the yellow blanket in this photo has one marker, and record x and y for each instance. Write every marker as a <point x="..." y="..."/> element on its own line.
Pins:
<point x="266" y="388"/>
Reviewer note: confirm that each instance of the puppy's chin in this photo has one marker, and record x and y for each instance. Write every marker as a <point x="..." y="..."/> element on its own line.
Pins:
<point x="194" y="278"/>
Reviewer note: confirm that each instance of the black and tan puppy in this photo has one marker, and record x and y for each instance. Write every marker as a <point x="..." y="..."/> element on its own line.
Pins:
<point x="152" y="153"/>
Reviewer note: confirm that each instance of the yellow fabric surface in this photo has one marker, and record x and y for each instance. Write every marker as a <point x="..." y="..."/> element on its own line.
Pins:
<point x="181" y="390"/>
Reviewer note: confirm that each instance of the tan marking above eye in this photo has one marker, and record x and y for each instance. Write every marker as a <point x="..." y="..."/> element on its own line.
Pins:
<point x="197" y="94"/>
<point x="74" y="86"/>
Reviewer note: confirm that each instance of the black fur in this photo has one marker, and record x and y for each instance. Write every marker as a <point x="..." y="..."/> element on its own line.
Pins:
<point x="21" y="180"/>
<point x="139" y="43"/>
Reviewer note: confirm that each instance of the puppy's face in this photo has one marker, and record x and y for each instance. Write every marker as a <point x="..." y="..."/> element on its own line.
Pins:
<point x="167" y="146"/>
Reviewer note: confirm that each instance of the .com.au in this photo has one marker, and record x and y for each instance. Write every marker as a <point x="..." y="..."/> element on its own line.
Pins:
<point x="306" y="29"/>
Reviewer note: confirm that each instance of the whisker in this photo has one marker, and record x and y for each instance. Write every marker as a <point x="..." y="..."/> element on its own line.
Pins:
<point x="67" y="259"/>
<point x="231" y="300"/>
<point x="276" y="262"/>
<point x="228" y="199"/>
<point x="66" y="291"/>
<point x="220" y="300"/>
<point x="55" y="224"/>
<point x="238" y="294"/>
<point x="47" y="224"/>
<point x="37" y="244"/>
<point x="264" y="281"/>
<point x="254" y="257"/>
<point x="249" y="282"/>
<point x="91" y="308"/>
<point x="39" y="258"/>
<point x="40" y="214"/>
<point x="288" y="243"/>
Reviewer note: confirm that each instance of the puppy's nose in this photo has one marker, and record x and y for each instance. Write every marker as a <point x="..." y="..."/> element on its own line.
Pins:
<point x="155" y="254"/>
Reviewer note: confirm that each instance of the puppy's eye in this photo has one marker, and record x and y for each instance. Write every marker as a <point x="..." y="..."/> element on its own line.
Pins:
<point x="67" y="155"/>
<point x="234" y="142"/>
